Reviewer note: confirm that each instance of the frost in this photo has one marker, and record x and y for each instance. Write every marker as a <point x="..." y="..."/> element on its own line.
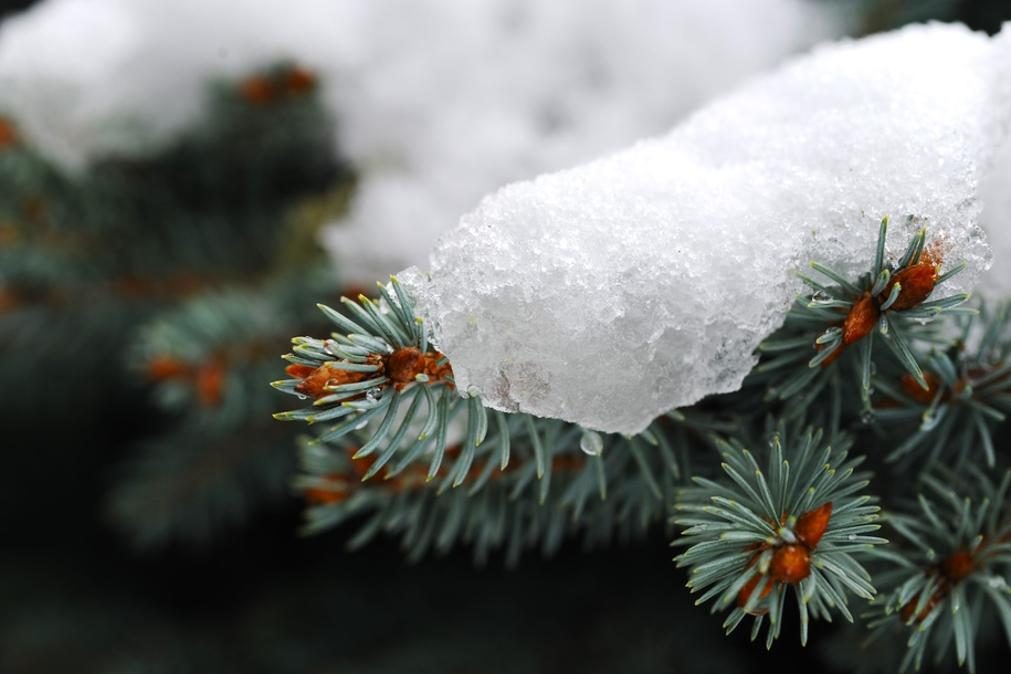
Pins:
<point x="610" y="293"/>
<point x="437" y="102"/>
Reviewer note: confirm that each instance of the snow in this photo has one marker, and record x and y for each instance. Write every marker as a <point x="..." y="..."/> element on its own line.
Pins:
<point x="996" y="220"/>
<point x="482" y="94"/>
<point x="437" y="101"/>
<point x="84" y="78"/>
<point x="615" y="291"/>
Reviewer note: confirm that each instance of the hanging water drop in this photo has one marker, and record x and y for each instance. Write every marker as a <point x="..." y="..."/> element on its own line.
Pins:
<point x="591" y="443"/>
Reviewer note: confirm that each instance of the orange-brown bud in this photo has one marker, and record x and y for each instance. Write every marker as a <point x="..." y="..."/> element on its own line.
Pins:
<point x="299" y="371"/>
<point x="917" y="281"/>
<point x="832" y="358"/>
<point x="405" y="364"/>
<point x="907" y="611"/>
<point x="811" y="525"/>
<point x="8" y="136"/>
<point x="315" y="381"/>
<point x="408" y="362"/>
<point x="257" y="90"/>
<point x="299" y="81"/>
<point x="958" y="566"/>
<point x="790" y="563"/>
<point x="335" y="491"/>
<point x="210" y="383"/>
<point x="161" y="368"/>
<point x="860" y="320"/>
<point x="749" y="588"/>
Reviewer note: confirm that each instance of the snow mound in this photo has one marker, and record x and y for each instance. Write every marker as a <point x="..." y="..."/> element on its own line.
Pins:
<point x="613" y="292"/>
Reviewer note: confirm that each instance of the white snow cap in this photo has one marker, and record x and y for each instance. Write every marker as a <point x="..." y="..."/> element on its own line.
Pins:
<point x="613" y="292"/>
<point x="437" y="102"/>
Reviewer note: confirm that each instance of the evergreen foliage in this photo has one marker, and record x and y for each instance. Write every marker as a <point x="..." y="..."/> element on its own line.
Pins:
<point x="403" y="452"/>
<point x="946" y="579"/>
<point x="171" y="273"/>
<point x="800" y="524"/>
<point x="862" y="468"/>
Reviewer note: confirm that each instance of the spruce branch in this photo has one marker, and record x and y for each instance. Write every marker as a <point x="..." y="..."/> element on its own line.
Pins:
<point x="841" y="317"/>
<point x="380" y="374"/>
<point x="380" y="368"/>
<point x="190" y="486"/>
<point x="967" y="398"/>
<point x="800" y="524"/>
<point x="618" y="492"/>
<point x="947" y="577"/>
<point x="400" y="434"/>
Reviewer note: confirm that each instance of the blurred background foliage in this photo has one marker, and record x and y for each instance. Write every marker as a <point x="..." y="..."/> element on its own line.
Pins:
<point x="126" y="486"/>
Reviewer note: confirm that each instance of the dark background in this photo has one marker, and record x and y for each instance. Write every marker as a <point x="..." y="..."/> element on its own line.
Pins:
<point x="74" y="598"/>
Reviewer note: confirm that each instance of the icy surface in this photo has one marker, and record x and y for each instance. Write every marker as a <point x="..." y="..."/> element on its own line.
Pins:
<point x="437" y="101"/>
<point x="615" y="291"/>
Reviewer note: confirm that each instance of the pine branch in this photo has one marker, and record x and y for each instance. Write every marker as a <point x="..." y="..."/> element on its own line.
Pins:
<point x="192" y="484"/>
<point x="799" y="524"/>
<point x="843" y="319"/>
<point x="550" y="490"/>
<point x="947" y="577"/>
<point x="967" y="398"/>
<point x="408" y="429"/>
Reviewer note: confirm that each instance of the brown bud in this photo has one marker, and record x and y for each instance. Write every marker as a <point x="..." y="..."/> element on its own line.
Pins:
<point x="917" y="282"/>
<point x="161" y="368"/>
<point x="860" y="320"/>
<point x="811" y="525"/>
<point x="749" y="588"/>
<point x="257" y="90"/>
<point x="790" y="563"/>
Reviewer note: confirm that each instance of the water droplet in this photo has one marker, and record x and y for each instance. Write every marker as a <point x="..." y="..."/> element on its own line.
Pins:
<point x="851" y="537"/>
<point x="302" y="396"/>
<point x="591" y="443"/>
<point x="362" y="425"/>
<point x="373" y="394"/>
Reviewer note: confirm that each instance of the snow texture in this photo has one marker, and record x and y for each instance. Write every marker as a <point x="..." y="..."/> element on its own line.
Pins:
<point x="437" y="101"/>
<point x="613" y="292"/>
